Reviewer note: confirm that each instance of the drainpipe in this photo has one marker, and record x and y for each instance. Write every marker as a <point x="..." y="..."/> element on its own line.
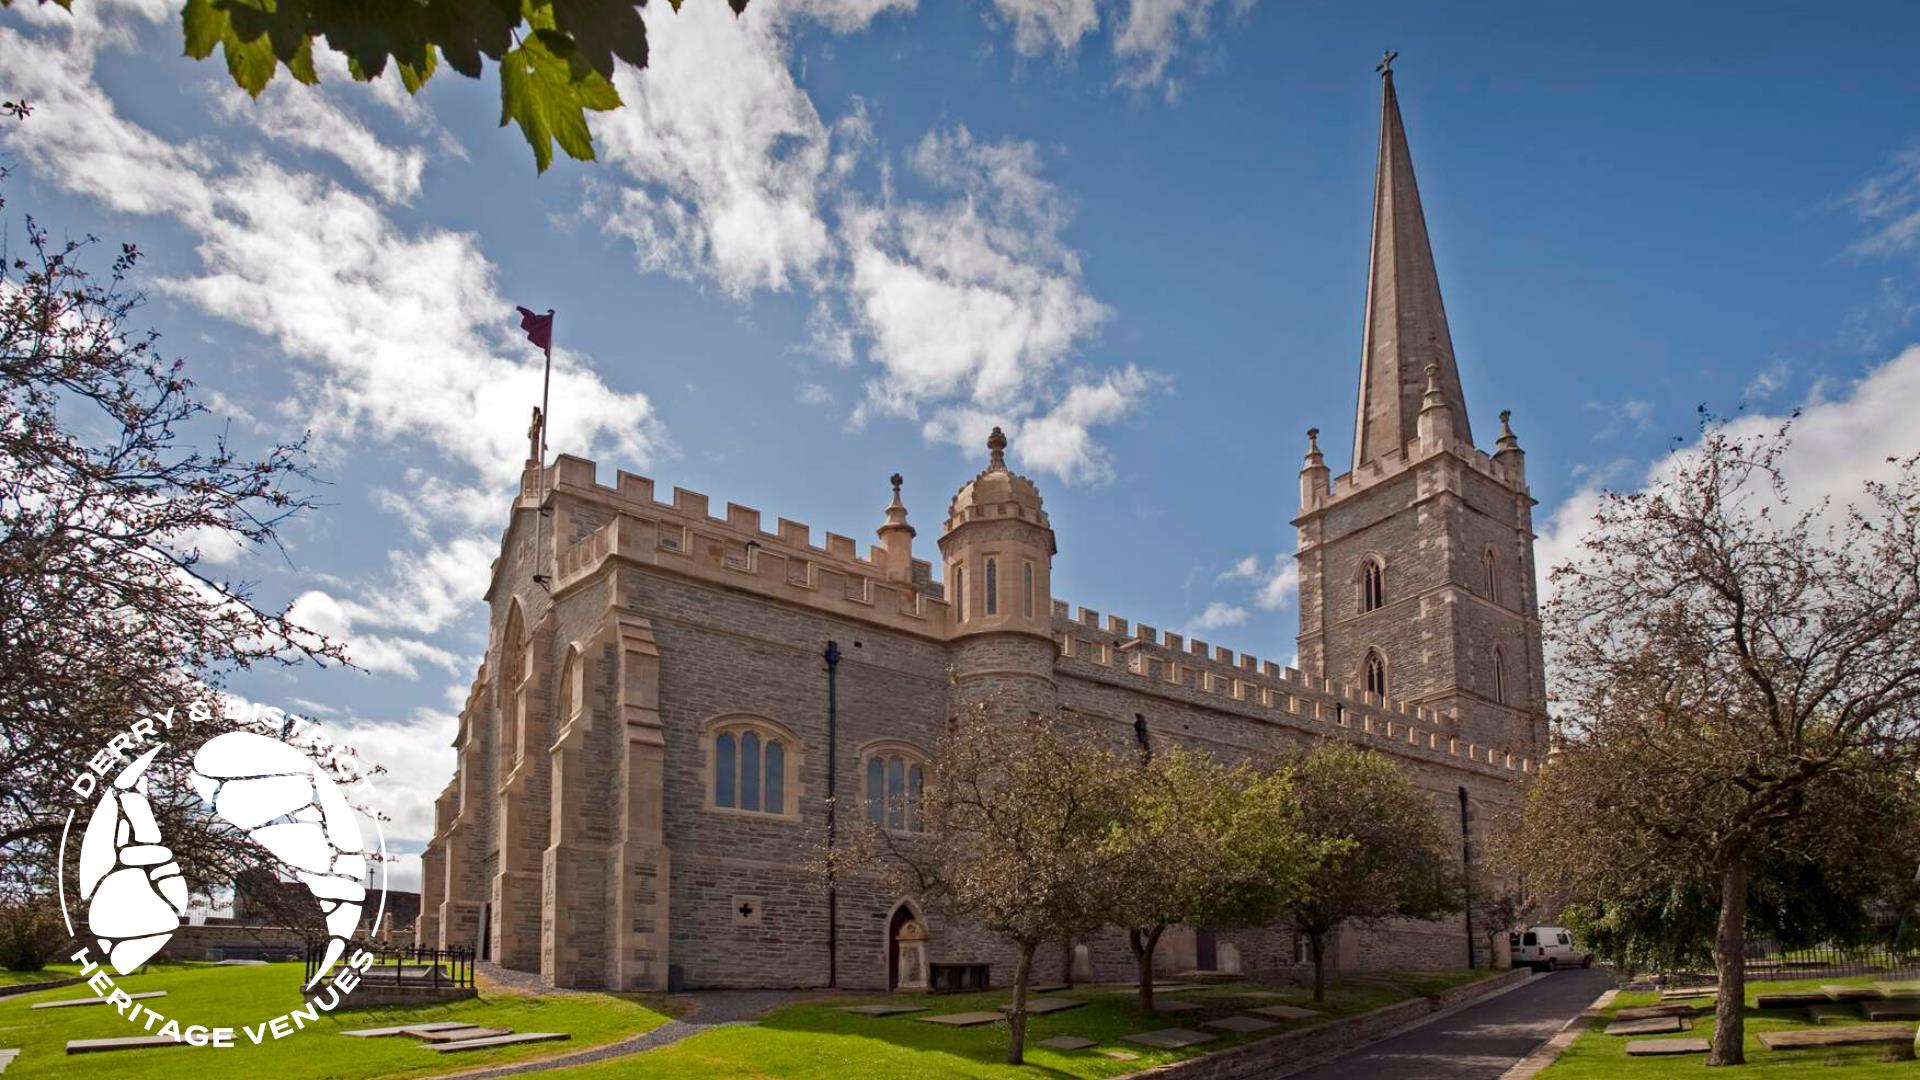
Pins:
<point x="832" y="657"/>
<point x="1466" y="865"/>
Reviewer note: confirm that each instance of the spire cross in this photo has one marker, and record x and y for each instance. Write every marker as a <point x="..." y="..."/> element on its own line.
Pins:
<point x="1385" y="66"/>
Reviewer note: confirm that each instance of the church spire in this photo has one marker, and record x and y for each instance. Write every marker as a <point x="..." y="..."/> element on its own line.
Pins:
<point x="1406" y="323"/>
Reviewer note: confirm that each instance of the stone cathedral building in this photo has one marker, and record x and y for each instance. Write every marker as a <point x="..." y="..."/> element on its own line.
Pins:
<point x="670" y="694"/>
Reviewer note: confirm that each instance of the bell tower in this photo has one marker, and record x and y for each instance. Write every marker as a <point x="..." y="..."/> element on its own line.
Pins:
<point x="1416" y="566"/>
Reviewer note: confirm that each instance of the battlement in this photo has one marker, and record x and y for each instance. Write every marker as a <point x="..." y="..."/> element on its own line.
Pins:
<point x="1165" y="660"/>
<point x="1380" y="470"/>
<point x="736" y="550"/>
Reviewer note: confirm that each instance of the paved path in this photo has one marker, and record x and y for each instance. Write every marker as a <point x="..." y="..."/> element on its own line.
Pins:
<point x="1480" y="1041"/>
<point x="710" y="1009"/>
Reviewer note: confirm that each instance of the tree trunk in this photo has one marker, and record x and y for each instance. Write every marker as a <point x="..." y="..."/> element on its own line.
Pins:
<point x="1730" y="960"/>
<point x="1319" y="943"/>
<point x="1143" y="946"/>
<point x="1017" y="1015"/>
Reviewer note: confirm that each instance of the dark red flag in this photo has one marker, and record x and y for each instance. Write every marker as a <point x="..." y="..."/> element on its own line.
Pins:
<point x="539" y="328"/>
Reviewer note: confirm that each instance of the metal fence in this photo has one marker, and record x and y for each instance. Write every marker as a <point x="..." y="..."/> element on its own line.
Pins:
<point x="404" y="968"/>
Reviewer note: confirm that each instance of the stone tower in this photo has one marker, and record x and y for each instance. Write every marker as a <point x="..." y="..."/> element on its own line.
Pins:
<point x="999" y="548"/>
<point x="1416" y="567"/>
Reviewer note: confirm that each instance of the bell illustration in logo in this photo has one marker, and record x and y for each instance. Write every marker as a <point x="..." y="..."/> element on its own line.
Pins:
<point x="279" y="796"/>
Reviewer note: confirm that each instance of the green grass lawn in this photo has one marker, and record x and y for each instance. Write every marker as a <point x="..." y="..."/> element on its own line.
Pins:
<point x="213" y="995"/>
<point x="820" y="1041"/>
<point x="1597" y="1056"/>
<point x="47" y="974"/>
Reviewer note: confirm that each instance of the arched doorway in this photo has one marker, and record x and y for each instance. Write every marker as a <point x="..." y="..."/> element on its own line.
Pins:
<point x="906" y="951"/>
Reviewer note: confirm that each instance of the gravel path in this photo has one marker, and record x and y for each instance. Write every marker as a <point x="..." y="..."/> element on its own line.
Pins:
<point x="711" y="1009"/>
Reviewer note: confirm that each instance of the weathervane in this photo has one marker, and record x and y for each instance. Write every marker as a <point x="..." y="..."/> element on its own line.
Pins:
<point x="1385" y="66"/>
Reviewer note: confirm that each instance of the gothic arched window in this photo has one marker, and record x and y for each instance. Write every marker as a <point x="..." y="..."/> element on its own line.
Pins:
<point x="1373" y="585"/>
<point x="1026" y="590"/>
<point x="959" y="593"/>
<point x="1493" y="576"/>
<point x="993" y="587"/>
<point x="753" y="767"/>
<point x="1499" y="675"/>
<point x="896" y="777"/>
<point x="1376" y="674"/>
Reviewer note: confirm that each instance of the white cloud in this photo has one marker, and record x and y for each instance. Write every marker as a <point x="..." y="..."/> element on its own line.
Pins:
<point x="1218" y="616"/>
<point x="1276" y="583"/>
<point x="1155" y="31"/>
<point x="1630" y="417"/>
<point x="429" y="500"/>
<point x="1888" y="207"/>
<point x="1839" y="442"/>
<point x="415" y="754"/>
<point x="726" y="152"/>
<point x="380" y="654"/>
<point x="308" y="118"/>
<point x="1040" y="26"/>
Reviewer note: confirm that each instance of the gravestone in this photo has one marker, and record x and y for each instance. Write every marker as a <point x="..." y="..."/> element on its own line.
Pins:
<point x="964" y="1019"/>
<point x="1653" y="1025"/>
<point x="1285" y="1012"/>
<point x="1894" y="1009"/>
<point x="1171" y="1038"/>
<point x="1065" y="1042"/>
<point x="502" y="1040"/>
<point x="1227" y="958"/>
<point x="1240" y="1024"/>
<point x="1648" y="1012"/>
<point x="883" y="1010"/>
<point x="1890" y="1035"/>
<point x="1082" y="964"/>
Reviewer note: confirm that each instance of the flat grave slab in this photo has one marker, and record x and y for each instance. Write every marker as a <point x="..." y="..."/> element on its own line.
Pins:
<point x="1837" y="1036"/>
<point x="1240" y="1024"/>
<point x="884" y="1010"/>
<point x="1285" y="1012"/>
<point x="1176" y="987"/>
<point x="1065" y="1042"/>
<point x="1665" y="1047"/>
<point x="965" y="1019"/>
<point x="68" y="1003"/>
<point x="6" y="1058"/>
<point x="1895" y="1009"/>
<point x="136" y="1042"/>
<point x="1791" y="1000"/>
<point x="1898" y="989"/>
<point x="1175" y="1007"/>
<point x="1170" y="1038"/>
<point x="1835" y="1013"/>
<point x="1652" y="1025"/>
<point x="1648" y="1012"/>
<point x="1120" y="1055"/>
<point x="1048" y="988"/>
<point x="1687" y="992"/>
<point x="459" y="1034"/>
<point x="1851" y="993"/>
<point x="1045" y="1005"/>
<point x="383" y="1032"/>
<point x="502" y="1040"/>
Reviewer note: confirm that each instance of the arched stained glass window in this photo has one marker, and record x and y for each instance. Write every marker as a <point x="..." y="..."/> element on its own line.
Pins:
<point x="1499" y="676"/>
<point x="1026" y="590"/>
<point x="750" y="771"/>
<point x="877" y="791"/>
<point x="775" y="799"/>
<point x="723" y="769"/>
<point x="896" y="793"/>
<point x="895" y="781"/>
<point x="1373" y="585"/>
<point x="993" y="587"/>
<point x="1493" y="576"/>
<point x="1376" y="674"/>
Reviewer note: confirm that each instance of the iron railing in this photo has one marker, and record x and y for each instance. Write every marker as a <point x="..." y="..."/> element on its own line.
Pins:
<point x="404" y="968"/>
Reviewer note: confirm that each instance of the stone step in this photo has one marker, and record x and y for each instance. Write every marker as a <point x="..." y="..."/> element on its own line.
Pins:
<point x="136" y="1042"/>
<point x="1890" y="1034"/>
<point x="68" y="1003"/>
<point x="502" y="1040"/>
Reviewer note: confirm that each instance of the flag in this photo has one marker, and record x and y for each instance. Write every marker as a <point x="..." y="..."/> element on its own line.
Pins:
<point x="539" y="328"/>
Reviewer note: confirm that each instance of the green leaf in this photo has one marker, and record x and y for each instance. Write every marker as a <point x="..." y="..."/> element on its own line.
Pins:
<point x="205" y="25"/>
<point x="603" y="30"/>
<point x="548" y="95"/>
<point x="251" y="63"/>
<point x="413" y="77"/>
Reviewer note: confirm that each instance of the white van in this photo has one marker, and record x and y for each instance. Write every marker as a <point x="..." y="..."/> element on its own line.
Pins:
<point x="1547" y="948"/>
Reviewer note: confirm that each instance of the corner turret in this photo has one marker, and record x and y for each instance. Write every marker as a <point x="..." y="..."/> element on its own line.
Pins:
<point x="1507" y="455"/>
<point x="896" y="537"/>
<point x="1313" y="474"/>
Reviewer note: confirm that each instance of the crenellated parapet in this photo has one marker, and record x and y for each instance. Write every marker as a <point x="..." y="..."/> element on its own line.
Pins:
<point x="1170" y="664"/>
<point x="597" y="523"/>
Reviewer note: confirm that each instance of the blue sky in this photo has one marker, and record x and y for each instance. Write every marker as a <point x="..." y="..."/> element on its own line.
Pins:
<point x="837" y="238"/>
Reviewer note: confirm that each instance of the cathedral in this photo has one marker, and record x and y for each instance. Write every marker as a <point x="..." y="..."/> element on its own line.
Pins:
<point x="672" y="697"/>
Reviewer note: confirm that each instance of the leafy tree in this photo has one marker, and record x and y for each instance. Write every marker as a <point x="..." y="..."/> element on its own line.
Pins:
<point x="1017" y="811"/>
<point x="1203" y="844"/>
<point x="555" y="57"/>
<point x="1396" y="860"/>
<point x="107" y="610"/>
<point x="1742" y="686"/>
